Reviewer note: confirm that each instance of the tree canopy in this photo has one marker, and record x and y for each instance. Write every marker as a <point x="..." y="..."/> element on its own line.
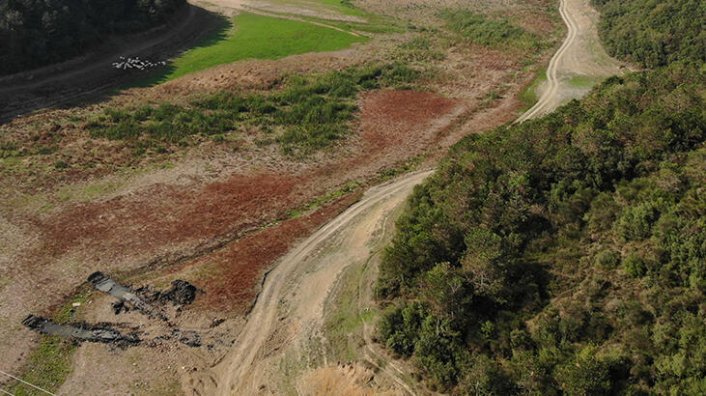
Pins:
<point x="654" y="32"/>
<point x="567" y="255"/>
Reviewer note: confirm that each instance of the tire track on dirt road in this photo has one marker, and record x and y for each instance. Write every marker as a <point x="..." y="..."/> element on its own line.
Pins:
<point x="263" y="318"/>
<point x="544" y="104"/>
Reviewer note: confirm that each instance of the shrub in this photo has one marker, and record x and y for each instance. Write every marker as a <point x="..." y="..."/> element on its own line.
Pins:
<point x="635" y="222"/>
<point x="607" y="259"/>
<point x="585" y="375"/>
<point x="489" y="32"/>
<point x="311" y="111"/>
<point x="634" y="265"/>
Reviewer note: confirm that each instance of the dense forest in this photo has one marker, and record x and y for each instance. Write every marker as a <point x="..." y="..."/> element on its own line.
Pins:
<point x="564" y="255"/>
<point x="38" y="32"/>
<point x="654" y="32"/>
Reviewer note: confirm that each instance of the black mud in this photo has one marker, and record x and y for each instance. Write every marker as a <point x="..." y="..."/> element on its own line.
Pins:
<point x="127" y="299"/>
<point x="82" y="332"/>
<point x="144" y="300"/>
<point x="181" y="293"/>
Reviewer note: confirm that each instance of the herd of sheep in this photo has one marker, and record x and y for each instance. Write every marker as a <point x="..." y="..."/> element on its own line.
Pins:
<point x="136" y="63"/>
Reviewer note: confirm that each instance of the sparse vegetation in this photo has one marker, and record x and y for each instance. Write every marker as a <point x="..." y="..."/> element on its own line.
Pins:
<point x="479" y="29"/>
<point x="320" y="201"/>
<point x="49" y="363"/>
<point x="344" y="319"/>
<point x="529" y="94"/>
<point x="308" y="114"/>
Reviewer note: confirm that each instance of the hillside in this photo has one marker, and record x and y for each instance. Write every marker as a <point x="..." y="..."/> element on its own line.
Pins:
<point x="654" y="33"/>
<point x="36" y="33"/>
<point x="565" y="255"/>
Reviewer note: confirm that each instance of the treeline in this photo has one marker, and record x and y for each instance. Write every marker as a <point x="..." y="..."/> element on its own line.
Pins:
<point x="565" y="255"/>
<point x="654" y="32"/>
<point x="39" y="32"/>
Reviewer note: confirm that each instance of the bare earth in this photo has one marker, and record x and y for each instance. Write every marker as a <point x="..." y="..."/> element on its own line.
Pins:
<point x="580" y="62"/>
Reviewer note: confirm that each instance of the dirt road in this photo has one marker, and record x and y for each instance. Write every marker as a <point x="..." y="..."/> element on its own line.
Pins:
<point x="284" y="337"/>
<point x="578" y="64"/>
<point x="298" y="287"/>
<point x="545" y="101"/>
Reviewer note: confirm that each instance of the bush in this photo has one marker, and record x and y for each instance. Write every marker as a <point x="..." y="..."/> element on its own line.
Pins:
<point x="399" y="328"/>
<point x="634" y="265"/>
<point x="585" y="375"/>
<point x="635" y="222"/>
<point x="607" y="259"/>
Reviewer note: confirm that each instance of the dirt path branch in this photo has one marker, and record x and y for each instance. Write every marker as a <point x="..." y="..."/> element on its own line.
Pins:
<point x="544" y="104"/>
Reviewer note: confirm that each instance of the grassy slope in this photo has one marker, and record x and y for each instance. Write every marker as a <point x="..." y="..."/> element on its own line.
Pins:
<point x="262" y="37"/>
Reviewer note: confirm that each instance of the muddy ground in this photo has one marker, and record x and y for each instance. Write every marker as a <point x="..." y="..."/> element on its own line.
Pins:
<point x="209" y="214"/>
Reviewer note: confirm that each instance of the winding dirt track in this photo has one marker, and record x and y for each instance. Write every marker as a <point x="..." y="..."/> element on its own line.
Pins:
<point x="288" y="314"/>
<point x="545" y="103"/>
<point x="233" y="370"/>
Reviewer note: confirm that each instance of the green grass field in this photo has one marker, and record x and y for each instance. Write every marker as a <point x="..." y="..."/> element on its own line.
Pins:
<point x="261" y="37"/>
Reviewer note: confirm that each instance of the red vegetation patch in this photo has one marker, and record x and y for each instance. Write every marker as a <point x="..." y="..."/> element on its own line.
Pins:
<point x="166" y="215"/>
<point x="235" y="271"/>
<point x="399" y="119"/>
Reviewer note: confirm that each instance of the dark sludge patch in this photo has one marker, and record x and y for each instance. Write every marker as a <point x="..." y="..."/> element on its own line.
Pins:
<point x="181" y="293"/>
<point x="82" y="332"/>
<point x="187" y="337"/>
<point x="126" y="298"/>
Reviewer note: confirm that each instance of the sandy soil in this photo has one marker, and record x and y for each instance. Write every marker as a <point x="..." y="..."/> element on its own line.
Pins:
<point x="343" y="380"/>
<point x="289" y="311"/>
<point x="180" y="216"/>
<point x="581" y="56"/>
